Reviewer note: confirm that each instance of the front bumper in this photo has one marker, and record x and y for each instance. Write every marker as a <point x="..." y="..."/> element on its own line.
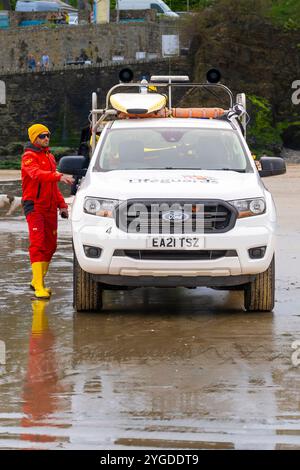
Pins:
<point x="103" y="233"/>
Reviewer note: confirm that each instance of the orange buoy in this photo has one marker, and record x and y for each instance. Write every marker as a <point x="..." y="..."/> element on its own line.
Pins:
<point x="204" y="113"/>
<point x="208" y="113"/>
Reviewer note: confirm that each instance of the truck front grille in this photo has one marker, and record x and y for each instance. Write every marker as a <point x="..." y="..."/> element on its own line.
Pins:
<point x="175" y="217"/>
<point x="175" y="255"/>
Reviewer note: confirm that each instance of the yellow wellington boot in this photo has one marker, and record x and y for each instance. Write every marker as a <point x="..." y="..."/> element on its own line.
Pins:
<point x="38" y="281"/>
<point x="39" y="318"/>
<point x="45" y="265"/>
<point x="45" y="270"/>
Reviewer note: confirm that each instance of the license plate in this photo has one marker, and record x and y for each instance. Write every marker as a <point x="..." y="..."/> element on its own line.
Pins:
<point x="178" y="243"/>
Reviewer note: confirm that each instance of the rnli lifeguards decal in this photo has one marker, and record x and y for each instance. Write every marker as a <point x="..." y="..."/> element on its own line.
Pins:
<point x="179" y="179"/>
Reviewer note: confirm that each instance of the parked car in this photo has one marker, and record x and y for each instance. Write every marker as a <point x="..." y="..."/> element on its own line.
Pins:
<point x="158" y="5"/>
<point x="36" y="6"/>
<point x="41" y="5"/>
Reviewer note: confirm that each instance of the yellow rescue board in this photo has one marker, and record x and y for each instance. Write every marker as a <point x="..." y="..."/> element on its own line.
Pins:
<point x="137" y="103"/>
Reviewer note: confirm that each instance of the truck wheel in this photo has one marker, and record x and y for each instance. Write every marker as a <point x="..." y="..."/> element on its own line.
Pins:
<point x="87" y="294"/>
<point x="259" y="294"/>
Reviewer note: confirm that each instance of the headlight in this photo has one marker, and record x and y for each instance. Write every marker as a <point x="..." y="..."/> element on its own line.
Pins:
<point x="100" y="207"/>
<point x="249" y="207"/>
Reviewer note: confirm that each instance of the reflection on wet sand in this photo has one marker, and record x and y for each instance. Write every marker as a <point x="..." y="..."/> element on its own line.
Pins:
<point x="42" y="388"/>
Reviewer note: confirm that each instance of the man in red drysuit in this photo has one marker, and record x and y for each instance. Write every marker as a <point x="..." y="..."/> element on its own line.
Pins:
<point x="40" y="199"/>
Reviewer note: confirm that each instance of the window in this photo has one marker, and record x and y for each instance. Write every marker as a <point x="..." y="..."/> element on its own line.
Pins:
<point x="158" y="8"/>
<point x="164" y="148"/>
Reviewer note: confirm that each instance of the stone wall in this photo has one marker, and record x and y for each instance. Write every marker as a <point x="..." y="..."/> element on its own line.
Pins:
<point x="66" y="42"/>
<point x="62" y="99"/>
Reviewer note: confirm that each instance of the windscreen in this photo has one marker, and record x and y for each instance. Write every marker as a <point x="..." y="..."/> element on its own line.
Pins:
<point x="176" y="148"/>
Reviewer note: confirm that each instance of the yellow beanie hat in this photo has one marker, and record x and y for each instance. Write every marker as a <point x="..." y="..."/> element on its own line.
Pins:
<point x="35" y="130"/>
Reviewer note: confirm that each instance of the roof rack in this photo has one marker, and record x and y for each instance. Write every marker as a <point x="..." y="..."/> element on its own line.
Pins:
<point x="235" y="112"/>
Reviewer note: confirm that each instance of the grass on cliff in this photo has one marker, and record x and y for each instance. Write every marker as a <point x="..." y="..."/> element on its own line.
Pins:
<point x="14" y="164"/>
<point x="286" y="13"/>
<point x="263" y="136"/>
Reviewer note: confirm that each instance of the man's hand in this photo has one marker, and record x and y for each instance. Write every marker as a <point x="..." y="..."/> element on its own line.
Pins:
<point x="64" y="213"/>
<point x="68" y="179"/>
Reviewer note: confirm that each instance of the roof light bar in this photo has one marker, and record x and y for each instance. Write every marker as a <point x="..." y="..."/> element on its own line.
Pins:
<point x="169" y="78"/>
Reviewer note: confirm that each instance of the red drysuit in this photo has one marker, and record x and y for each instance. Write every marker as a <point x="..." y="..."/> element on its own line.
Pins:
<point x="41" y="198"/>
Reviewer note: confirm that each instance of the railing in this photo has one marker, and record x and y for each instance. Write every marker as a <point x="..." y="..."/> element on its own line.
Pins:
<point x="103" y="64"/>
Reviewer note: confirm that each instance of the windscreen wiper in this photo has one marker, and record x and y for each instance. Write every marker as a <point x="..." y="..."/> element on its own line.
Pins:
<point x="232" y="169"/>
<point x="202" y="169"/>
<point x="178" y="168"/>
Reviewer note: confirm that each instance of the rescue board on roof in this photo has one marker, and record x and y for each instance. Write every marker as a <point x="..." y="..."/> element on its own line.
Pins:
<point x="138" y="103"/>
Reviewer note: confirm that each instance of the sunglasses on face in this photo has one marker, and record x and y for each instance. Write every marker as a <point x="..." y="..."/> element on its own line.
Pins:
<point x="43" y="136"/>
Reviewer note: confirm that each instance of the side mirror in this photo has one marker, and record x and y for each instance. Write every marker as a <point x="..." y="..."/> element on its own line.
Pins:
<point x="76" y="165"/>
<point x="272" y="166"/>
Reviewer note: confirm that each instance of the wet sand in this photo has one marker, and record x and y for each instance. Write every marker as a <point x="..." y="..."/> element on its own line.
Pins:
<point x="158" y="368"/>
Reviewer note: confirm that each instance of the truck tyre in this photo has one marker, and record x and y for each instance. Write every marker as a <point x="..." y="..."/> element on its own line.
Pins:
<point x="87" y="294"/>
<point x="259" y="294"/>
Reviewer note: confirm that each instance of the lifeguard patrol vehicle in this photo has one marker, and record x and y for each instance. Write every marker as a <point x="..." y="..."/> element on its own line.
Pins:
<point x="172" y="197"/>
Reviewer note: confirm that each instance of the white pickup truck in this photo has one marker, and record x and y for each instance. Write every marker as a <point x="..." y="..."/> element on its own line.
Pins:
<point x="172" y="198"/>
